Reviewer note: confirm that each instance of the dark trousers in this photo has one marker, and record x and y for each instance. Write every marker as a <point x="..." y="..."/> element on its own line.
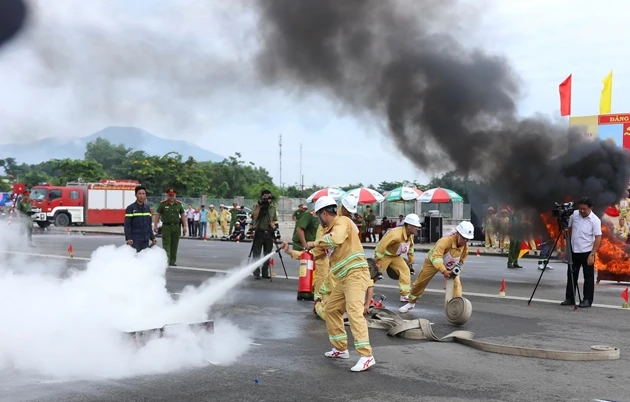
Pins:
<point x="191" y="227"/>
<point x="514" y="250"/>
<point x="140" y="245"/>
<point x="263" y="241"/>
<point x="580" y="261"/>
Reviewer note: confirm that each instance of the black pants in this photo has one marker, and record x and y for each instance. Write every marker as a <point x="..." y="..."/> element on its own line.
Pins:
<point x="191" y="227"/>
<point x="140" y="245"/>
<point x="263" y="241"/>
<point x="580" y="261"/>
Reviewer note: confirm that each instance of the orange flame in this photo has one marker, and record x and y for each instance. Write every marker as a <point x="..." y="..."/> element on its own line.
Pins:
<point x="551" y="223"/>
<point x="612" y="255"/>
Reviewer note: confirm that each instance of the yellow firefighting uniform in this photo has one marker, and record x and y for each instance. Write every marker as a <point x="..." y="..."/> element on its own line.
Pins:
<point x="488" y="228"/>
<point x="504" y="231"/>
<point x="327" y="287"/>
<point x="444" y="255"/>
<point x="388" y="254"/>
<point x="349" y="265"/>
<point x="213" y="216"/>
<point x="225" y="217"/>
<point x="622" y="231"/>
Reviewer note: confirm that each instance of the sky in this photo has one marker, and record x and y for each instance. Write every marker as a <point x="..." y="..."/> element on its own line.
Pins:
<point x="182" y="69"/>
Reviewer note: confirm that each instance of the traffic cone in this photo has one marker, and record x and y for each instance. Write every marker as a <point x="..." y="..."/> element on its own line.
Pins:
<point x="478" y="253"/>
<point x="70" y="251"/>
<point x="502" y="290"/>
<point x="204" y="237"/>
<point x="624" y="295"/>
<point x="272" y="265"/>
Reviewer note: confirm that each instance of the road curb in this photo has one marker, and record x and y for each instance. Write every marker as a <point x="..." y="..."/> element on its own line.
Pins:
<point x="368" y="246"/>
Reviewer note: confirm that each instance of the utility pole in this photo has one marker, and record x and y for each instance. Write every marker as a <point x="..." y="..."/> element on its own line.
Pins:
<point x="281" y="186"/>
<point x="301" y="175"/>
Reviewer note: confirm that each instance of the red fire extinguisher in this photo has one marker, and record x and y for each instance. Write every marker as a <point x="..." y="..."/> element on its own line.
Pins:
<point x="305" y="280"/>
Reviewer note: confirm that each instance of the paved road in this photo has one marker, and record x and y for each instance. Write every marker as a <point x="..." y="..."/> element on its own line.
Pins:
<point x="286" y="354"/>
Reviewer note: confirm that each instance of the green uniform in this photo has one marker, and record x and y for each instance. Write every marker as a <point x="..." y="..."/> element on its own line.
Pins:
<point x="309" y="223"/>
<point x="234" y="213"/>
<point x="171" y="216"/>
<point x="25" y="207"/>
<point x="516" y="238"/>
<point x="263" y="237"/>
<point x="297" y="214"/>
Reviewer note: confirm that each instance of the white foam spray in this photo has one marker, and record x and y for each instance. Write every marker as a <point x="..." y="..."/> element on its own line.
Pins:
<point x="71" y="327"/>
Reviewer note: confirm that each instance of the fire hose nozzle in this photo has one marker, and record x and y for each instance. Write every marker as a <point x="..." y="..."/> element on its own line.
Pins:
<point x="457" y="270"/>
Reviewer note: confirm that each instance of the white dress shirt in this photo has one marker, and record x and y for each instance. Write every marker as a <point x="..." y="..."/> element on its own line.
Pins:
<point x="583" y="231"/>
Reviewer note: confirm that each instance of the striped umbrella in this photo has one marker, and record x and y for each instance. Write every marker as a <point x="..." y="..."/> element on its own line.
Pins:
<point x="440" y="195"/>
<point x="365" y="195"/>
<point x="333" y="192"/>
<point x="403" y="194"/>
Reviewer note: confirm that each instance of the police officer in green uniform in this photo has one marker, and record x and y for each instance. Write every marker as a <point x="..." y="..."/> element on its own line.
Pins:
<point x="172" y="213"/>
<point x="264" y="219"/>
<point x="24" y="207"/>
<point x="516" y="238"/>
<point x="305" y="230"/>
<point x="234" y="215"/>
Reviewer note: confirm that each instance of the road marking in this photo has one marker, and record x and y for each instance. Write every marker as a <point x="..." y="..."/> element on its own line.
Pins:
<point x="295" y="278"/>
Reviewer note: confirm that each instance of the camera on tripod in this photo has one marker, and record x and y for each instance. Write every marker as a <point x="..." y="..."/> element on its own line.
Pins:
<point x="563" y="212"/>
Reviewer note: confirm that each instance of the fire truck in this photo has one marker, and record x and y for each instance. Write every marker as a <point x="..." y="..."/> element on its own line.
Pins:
<point x="79" y="203"/>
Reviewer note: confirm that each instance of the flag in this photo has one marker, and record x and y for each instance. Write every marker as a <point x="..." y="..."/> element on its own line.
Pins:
<point x="565" y="96"/>
<point x="605" y="102"/>
<point x="524" y="249"/>
<point x="70" y="250"/>
<point x="624" y="295"/>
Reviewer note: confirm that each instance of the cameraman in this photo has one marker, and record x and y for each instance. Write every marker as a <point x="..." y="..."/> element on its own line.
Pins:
<point x="585" y="230"/>
<point x="264" y="218"/>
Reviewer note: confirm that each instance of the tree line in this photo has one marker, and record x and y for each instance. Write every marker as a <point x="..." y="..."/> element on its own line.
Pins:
<point x="232" y="177"/>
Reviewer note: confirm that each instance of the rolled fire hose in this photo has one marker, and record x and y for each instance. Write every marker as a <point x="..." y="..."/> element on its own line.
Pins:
<point x="458" y="311"/>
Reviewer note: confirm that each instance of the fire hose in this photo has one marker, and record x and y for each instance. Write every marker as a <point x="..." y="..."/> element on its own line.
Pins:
<point x="458" y="310"/>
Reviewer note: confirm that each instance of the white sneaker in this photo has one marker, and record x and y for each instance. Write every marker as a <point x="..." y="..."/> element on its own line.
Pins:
<point x="407" y="307"/>
<point x="404" y="298"/>
<point x="364" y="363"/>
<point x="334" y="353"/>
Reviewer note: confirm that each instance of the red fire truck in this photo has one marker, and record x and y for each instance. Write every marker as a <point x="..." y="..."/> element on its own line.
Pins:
<point x="80" y="203"/>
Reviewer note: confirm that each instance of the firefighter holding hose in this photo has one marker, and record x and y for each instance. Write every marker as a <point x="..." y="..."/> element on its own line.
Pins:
<point x="349" y="265"/>
<point x="448" y="252"/>
<point x="392" y="246"/>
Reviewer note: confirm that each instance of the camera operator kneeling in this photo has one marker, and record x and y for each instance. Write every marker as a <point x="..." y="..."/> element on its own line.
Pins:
<point x="264" y="219"/>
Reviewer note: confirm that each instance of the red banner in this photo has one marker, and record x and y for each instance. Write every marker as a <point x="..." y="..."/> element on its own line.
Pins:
<point x="614" y="118"/>
<point x="626" y="136"/>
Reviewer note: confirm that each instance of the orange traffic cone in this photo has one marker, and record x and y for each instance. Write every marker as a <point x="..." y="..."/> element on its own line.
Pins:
<point x="204" y="237"/>
<point x="70" y="251"/>
<point x="272" y="265"/>
<point x="478" y="253"/>
<point x="502" y="290"/>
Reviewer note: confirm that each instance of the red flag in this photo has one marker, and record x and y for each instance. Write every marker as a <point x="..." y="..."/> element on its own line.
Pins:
<point x="565" y="96"/>
<point x="624" y="294"/>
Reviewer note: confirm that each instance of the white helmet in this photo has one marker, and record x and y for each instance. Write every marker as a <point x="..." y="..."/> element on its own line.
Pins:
<point x="466" y="229"/>
<point x="413" y="220"/>
<point x="350" y="203"/>
<point x="323" y="202"/>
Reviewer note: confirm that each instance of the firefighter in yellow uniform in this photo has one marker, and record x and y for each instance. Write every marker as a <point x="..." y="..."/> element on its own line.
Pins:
<point x="349" y="265"/>
<point x="622" y="230"/>
<point x="392" y="246"/>
<point x="448" y="252"/>
<point x="224" y="217"/>
<point x="213" y="217"/>
<point x="489" y="223"/>
<point x="624" y="206"/>
<point x="503" y="221"/>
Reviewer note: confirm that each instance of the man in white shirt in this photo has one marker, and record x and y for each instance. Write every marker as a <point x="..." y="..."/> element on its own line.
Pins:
<point x="585" y="230"/>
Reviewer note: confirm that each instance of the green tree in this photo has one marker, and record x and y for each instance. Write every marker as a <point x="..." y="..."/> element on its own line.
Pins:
<point x="107" y="154"/>
<point x="71" y="170"/>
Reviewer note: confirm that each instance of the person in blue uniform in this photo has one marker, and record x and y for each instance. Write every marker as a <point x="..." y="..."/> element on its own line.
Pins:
<point x="138" y="223"/>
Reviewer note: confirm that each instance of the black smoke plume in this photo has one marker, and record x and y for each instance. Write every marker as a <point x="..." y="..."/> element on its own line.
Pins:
<point x="445" y="106"/>
<point x="13" y="14"/>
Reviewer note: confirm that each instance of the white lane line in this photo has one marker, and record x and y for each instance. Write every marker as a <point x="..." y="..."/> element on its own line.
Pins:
<point x="295" y="278"/>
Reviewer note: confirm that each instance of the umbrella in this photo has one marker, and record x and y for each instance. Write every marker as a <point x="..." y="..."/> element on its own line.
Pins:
<point x="335" y="193"/>
<point x="403" y="194"/>
<point x="440" y="195"/>
<point x="365" y="195"/>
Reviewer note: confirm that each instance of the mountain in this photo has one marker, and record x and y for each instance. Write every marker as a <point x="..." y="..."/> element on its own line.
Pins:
<point x="132" y="137"/>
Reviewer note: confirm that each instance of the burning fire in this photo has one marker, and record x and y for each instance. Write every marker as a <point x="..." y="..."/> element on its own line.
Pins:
<point x="612" y="255"/>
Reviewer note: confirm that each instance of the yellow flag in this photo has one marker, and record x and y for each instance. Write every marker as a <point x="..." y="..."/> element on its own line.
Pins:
<point x="605" y="103"/>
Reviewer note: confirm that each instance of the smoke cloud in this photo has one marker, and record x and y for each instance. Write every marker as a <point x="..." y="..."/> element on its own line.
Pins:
<point x="78" y="67"/>
<point x="446" y="107"/>
<point x="68" y="325"/>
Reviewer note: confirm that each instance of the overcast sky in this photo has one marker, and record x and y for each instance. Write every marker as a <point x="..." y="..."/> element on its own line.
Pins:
<point x="180" y="68"/>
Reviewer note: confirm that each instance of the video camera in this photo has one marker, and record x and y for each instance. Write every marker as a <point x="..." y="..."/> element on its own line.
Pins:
<point x="563" y="212"/>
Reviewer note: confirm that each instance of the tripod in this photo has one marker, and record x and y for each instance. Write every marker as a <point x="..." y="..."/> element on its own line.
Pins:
<point x="278" y="250"/>
<point x="564" y="233"/>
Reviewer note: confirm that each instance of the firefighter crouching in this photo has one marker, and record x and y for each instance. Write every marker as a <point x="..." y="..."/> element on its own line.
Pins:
<point x="349" y="265"/>
<point x="448" y="252"/>
<point x="389" y="250"/>
<point x="138" y="227"/>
